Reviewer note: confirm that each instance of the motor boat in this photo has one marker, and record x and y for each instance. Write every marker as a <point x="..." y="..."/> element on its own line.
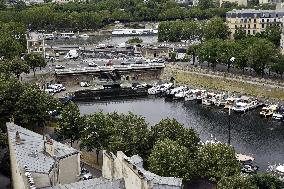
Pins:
<point x="84" y="36"/>
<point x="159" y="89"/>
<point x="268" y="111"/>
<point x="229" y="102"/>
<point x="247" y="164"/>
<point x="191" y="95"/>
<point x="240" y="106"/>
<point x="182" y="93"/>
<point x="171" y="93"/>
<point x="278" y="114"/>
<point x="219" y="100"/>
<point x="207" y="99"/>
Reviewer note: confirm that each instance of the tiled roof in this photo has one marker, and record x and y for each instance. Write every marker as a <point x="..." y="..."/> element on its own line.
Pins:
<point x="98" y="183"/>
<point x="30" y="152"/>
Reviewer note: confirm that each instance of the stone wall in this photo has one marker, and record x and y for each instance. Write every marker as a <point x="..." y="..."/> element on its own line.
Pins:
<point x="69" y="169"/>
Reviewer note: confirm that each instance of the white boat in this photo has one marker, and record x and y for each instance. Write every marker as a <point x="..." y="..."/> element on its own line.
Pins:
<point x="253" y="104"/>
<point x="278" y="114"/>
<point x="268" y="111"/>
<point x="84" y="35"/>
<point x="134" y="32"/>
<point x="229" y="102"/>
<point x="191" y="95"/>
<point x="159" y="89"/>
<point x="219" y="100"/>
<point x="171" y="93"/>
<point x="207" y="99"/>
<point x="182" y="93"/>
<point x="241" y="107"/>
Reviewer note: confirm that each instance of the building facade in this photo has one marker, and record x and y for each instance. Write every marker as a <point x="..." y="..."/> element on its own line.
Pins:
<point x="238" y="2"/>
<point x="253" y="21"/>
<point x="35" y="43"/>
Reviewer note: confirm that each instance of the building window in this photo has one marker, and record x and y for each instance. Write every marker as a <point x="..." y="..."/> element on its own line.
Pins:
<point x="245" y="20"/>
<point x="245" y="26"/>
<point x="249" y="20"/>
<point x="249" y="26"/>
<point x="267" y="20"/>
<point x="254" y="26"/>
<point x="254" y="31"/>
<point x="274" y="19"/>
<point x="262" y="25"/>
<point x="236" y="26"/>
<point x="262" y="20"/>
<point x="254" y="20"/>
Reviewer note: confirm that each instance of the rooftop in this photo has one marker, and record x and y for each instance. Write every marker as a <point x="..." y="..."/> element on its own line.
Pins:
<point x="98" y="183"/>
<point x="30" y="150"/>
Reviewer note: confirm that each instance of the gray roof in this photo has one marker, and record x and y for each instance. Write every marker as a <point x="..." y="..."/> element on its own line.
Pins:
<point x="30" y="152"/>
<point x="155" y="179"/>
<point x="97" y="183"/>
<point x="252" y="12"/>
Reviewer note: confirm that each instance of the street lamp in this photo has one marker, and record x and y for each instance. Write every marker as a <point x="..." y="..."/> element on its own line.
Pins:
<point x="229" y="127"/>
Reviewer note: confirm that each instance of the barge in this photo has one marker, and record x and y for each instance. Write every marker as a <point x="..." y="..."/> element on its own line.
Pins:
<point x="112" y="91"/>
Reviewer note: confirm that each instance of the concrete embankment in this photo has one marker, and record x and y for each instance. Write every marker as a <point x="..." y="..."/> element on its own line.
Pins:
<point x="225" y="82"/>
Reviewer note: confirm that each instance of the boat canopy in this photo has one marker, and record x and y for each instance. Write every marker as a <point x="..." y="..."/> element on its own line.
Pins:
<point x="280" y="168"/>
<point x="241" y="157"/>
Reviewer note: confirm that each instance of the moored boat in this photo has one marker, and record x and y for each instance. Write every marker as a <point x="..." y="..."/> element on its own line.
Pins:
<point x="268" y="111"/>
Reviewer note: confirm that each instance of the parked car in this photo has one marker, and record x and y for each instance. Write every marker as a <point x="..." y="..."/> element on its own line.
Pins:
<point x="84" y="84"/>
<point x="86" y="175"/>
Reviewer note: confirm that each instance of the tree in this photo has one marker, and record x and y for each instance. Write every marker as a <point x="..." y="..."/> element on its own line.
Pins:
<point x="261" y="54"/>
<point x="33" y="107"/>
<point x="240" y="34"/>
<point x="173" y="130"/>
<point x="35" y="60"/>
<point x="130" y="134"/>
<point x="20" y="5"/>
<point x="216" y="28"/>
<point x="10" y="91"/>
<point x="3" y="139"/>
<point x="135" y="40"/>
<point x="206" y="4"/>
<point x="208" y="51"/>
<point x="18" y="66"/>
<point x="228" y="51"/>
<point x="236" y="182"/>
<point x="278" y="67"/>
<point x="272" y="33"/>
<point x="192" y="50"/>
<point x="97" y="132"/>
<point x="217" y="161"/>
<point x="169" y="158"/>
<point x="70" y="123"/>
<point x="9" y="47"/>
<point x="267" y="181"/>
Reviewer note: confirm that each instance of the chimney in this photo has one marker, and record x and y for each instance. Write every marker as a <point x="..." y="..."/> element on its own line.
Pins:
<point x="18" y="138"/>
<point x="49" y="147"/>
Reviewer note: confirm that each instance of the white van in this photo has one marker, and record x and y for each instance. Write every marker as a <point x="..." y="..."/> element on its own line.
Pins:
<point x="72" y="54"/>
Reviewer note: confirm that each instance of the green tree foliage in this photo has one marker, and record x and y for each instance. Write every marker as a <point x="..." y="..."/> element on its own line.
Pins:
<point x="216" y="28"/>
<point x="271" y="33"/>
<point x="3" y="139"/>
<point x="236" y="182"/>
<point x="9" y="47"/>
<point x="217" y="161"/>
<point x="261" y="55"/>
<point x="278" y="67"/>
<point x="192" y="50"/>
<point x="32" y="108"/>
<point x="208" y="51"/>
<point x="10" y="92"/>
<point x="129" y="134"/>
<point x="175" y="31"/>
<point x="267" y="181"/>
<point x="173" y="130"/>
<point x="135" y="40"/>
<point x="70" y="123"/>
<point x="17" y="66"/>
<point x="169" y="158"/>
<point x="35" y="60"/>
<point x="206" y="4"/>
<point x="240" y="34"/>
<point x="97" y="131"/>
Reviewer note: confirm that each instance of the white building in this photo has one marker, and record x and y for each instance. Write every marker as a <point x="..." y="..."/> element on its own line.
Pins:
<point x="67" y="1"/>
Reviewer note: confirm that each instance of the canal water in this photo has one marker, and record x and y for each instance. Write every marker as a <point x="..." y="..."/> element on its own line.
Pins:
<point x="250" y="134"/>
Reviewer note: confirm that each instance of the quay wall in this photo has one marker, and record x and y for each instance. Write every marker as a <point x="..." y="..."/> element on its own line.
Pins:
<point x="133" y="75"/>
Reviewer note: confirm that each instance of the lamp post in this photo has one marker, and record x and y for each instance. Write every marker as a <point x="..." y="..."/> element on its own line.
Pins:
<point x="229" y="127"/>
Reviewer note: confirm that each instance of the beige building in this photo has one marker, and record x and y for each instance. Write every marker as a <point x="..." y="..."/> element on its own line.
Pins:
<point x="35" y="43"/>
<point x="131" y="170"/>
<point x="253" y="21"/>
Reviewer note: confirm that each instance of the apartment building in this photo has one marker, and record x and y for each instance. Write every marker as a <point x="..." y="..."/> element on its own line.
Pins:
<point x="253" y="21"/>
<point x="238" y="2"/>
<point x="35" y="43"/>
